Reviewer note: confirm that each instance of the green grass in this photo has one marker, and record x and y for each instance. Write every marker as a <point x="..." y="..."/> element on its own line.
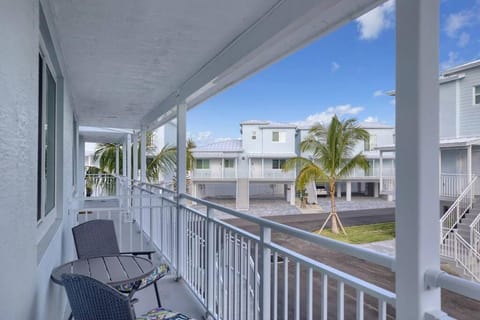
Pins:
<point x="364" y="234"/>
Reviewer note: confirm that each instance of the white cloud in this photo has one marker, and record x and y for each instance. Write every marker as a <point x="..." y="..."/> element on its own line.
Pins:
<point x="334" y="66"/>
<point x="393" y="102"/>
<point x="463" y="39"/>
<point x="201" y="138"/>
<point x="378" y="93"/>
<point x="372" y="23"/>
<point x="371" y="119"/>
<point x="326" y="116"/>
<point x="453" y="60"/>
<point x="457" y="21"/>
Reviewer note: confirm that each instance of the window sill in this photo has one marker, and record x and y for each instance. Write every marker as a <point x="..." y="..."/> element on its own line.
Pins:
<point x="44" y="242"/>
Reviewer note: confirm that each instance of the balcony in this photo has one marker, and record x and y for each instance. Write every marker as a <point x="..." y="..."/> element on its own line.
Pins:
<point x="251" y="267"/>
<point x="211" y="174"/>
<point x="273" y="175"/>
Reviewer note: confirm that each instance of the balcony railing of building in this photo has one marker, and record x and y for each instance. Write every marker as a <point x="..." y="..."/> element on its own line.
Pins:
<point x="237" y="274"/>
<point x="273" y="174"/>
<point x="100" y="185"/>
<point x="226" y="173"/>
<point x="452" y="185"/>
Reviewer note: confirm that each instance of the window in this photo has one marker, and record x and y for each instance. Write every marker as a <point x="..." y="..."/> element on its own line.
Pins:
<point x="254" y="135"/>
<point x="228" y="163"/>
<point x="203" y="164"/>
<point x="278" y="136"/>
<point x="476" y="94"/>
<point x="278" y="163"/>
<point x="47" y="95"/>
<point x="371" y="143"/>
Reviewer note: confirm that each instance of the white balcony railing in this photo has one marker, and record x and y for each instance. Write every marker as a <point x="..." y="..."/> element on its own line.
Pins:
<point x="273" y="174"/>
<point x="100" y="185"/>
<point x="226" y="173"/>
<point x="452" y="185"/>
<point x="239" y="275"/>
<point x="236" y="274"/>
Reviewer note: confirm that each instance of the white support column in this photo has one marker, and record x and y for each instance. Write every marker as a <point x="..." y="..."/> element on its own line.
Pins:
<point x="375" y="189"/>
<point x="181" y="180"/>
<point x="124" y="159"/>
<point x="135" y="157"/>
<point x="81" y="167"/>
<point x="143" y="156"/>
<point x="181" y="148"/>
<point x="417" y="144"/>
<point x="117" y="169"/>
<point x="339" y="190"/>
<point x="292" y="194"/>
<point x="349" y="191"/>
<point x="381" y="171"/>
<point x="117" y="160"/>
<point x="129" y="156"/>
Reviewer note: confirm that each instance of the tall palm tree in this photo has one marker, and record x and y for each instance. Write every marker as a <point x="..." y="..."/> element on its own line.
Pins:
<point x="331" y="149"/>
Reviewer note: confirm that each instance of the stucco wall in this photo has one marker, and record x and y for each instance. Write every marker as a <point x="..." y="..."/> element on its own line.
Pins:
<point x="28" y="256"/>
<point x="18" y="156"/>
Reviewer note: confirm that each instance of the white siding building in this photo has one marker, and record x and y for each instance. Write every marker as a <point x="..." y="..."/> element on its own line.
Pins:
<point x="253" y="166"/>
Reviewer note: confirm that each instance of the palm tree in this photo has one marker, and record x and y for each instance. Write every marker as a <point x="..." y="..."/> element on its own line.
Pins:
<point x="163" y="162"/>
<point x="332" y="157"/>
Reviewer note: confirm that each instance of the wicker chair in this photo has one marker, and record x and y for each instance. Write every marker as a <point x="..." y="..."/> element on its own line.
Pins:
<point x="92" y="300"/>
<point x="97" y="238"/>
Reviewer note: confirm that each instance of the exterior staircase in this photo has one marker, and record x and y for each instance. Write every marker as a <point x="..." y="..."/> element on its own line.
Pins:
<point x="463" y="227"/>
<point x="460" y="234"/>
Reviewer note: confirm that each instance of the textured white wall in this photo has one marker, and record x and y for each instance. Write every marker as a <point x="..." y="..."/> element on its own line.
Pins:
<point x="18" y="156"/>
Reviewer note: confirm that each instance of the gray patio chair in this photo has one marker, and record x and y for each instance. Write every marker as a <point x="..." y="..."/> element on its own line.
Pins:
<point x="97" y="238"/>
<point x="92" y="300"/>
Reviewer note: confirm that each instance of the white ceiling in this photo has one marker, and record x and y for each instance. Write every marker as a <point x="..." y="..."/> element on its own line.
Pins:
<point x="126" y="61"/>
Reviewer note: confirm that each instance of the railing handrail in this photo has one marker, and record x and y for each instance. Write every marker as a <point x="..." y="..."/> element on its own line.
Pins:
<point x="475" y="221"/>
<point x="471" y="251"/>
<point x="453" y="207"/>
<point x="361" y="253"/>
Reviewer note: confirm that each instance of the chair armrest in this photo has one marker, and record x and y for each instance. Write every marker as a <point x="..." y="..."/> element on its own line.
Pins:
<point x="140" y="253"/>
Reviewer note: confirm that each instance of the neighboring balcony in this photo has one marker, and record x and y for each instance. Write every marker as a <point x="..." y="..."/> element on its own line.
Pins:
<point x="214" y="174"/>
<point x="273" y="174"/>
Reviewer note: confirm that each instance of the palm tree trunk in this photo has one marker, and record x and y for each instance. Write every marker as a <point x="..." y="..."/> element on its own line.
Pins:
<point x="333" y="210"/>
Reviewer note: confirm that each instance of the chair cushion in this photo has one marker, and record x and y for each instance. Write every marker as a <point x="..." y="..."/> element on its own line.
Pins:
<point x="163" y="314"/>
<point x="159" y="272"/>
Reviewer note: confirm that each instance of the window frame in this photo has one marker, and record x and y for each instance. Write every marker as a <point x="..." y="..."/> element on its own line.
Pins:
<point x="232" y="161"/>
<point x="476" y="95"/>
<point x="205" y="164"/>
<point x="280" y="164"/>
<point x="45" y="218"/>
<point x="281" y="135"/>
<point x="254" y="135"/>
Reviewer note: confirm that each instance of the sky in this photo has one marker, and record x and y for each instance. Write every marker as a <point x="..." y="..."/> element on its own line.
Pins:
<point x="346" y="73"/>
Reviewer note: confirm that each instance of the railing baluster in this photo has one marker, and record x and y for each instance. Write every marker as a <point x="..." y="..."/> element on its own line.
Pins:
<point x="285" y="288"/>
<point x="324" y="304"/>
<point x="275" y="285"/>
<point x="310" y="294"/>
<point x="297" y="291"/>
<point x="359" y="304"/>
<point x="340" y="300"/>
<point x="382" y="310"/>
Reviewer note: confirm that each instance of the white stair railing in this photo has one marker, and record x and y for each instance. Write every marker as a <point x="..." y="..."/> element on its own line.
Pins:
<point x="466" y="256"/>
<point x="475" y="233"/>
<point x="454" y="214"/>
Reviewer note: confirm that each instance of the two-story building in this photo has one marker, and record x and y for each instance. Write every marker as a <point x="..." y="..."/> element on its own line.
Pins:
<point x="252" y="167"/>
<point x="248" y="168"/>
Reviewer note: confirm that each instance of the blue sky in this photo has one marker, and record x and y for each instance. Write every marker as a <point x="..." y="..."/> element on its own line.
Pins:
<point x="347" y="73"/>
